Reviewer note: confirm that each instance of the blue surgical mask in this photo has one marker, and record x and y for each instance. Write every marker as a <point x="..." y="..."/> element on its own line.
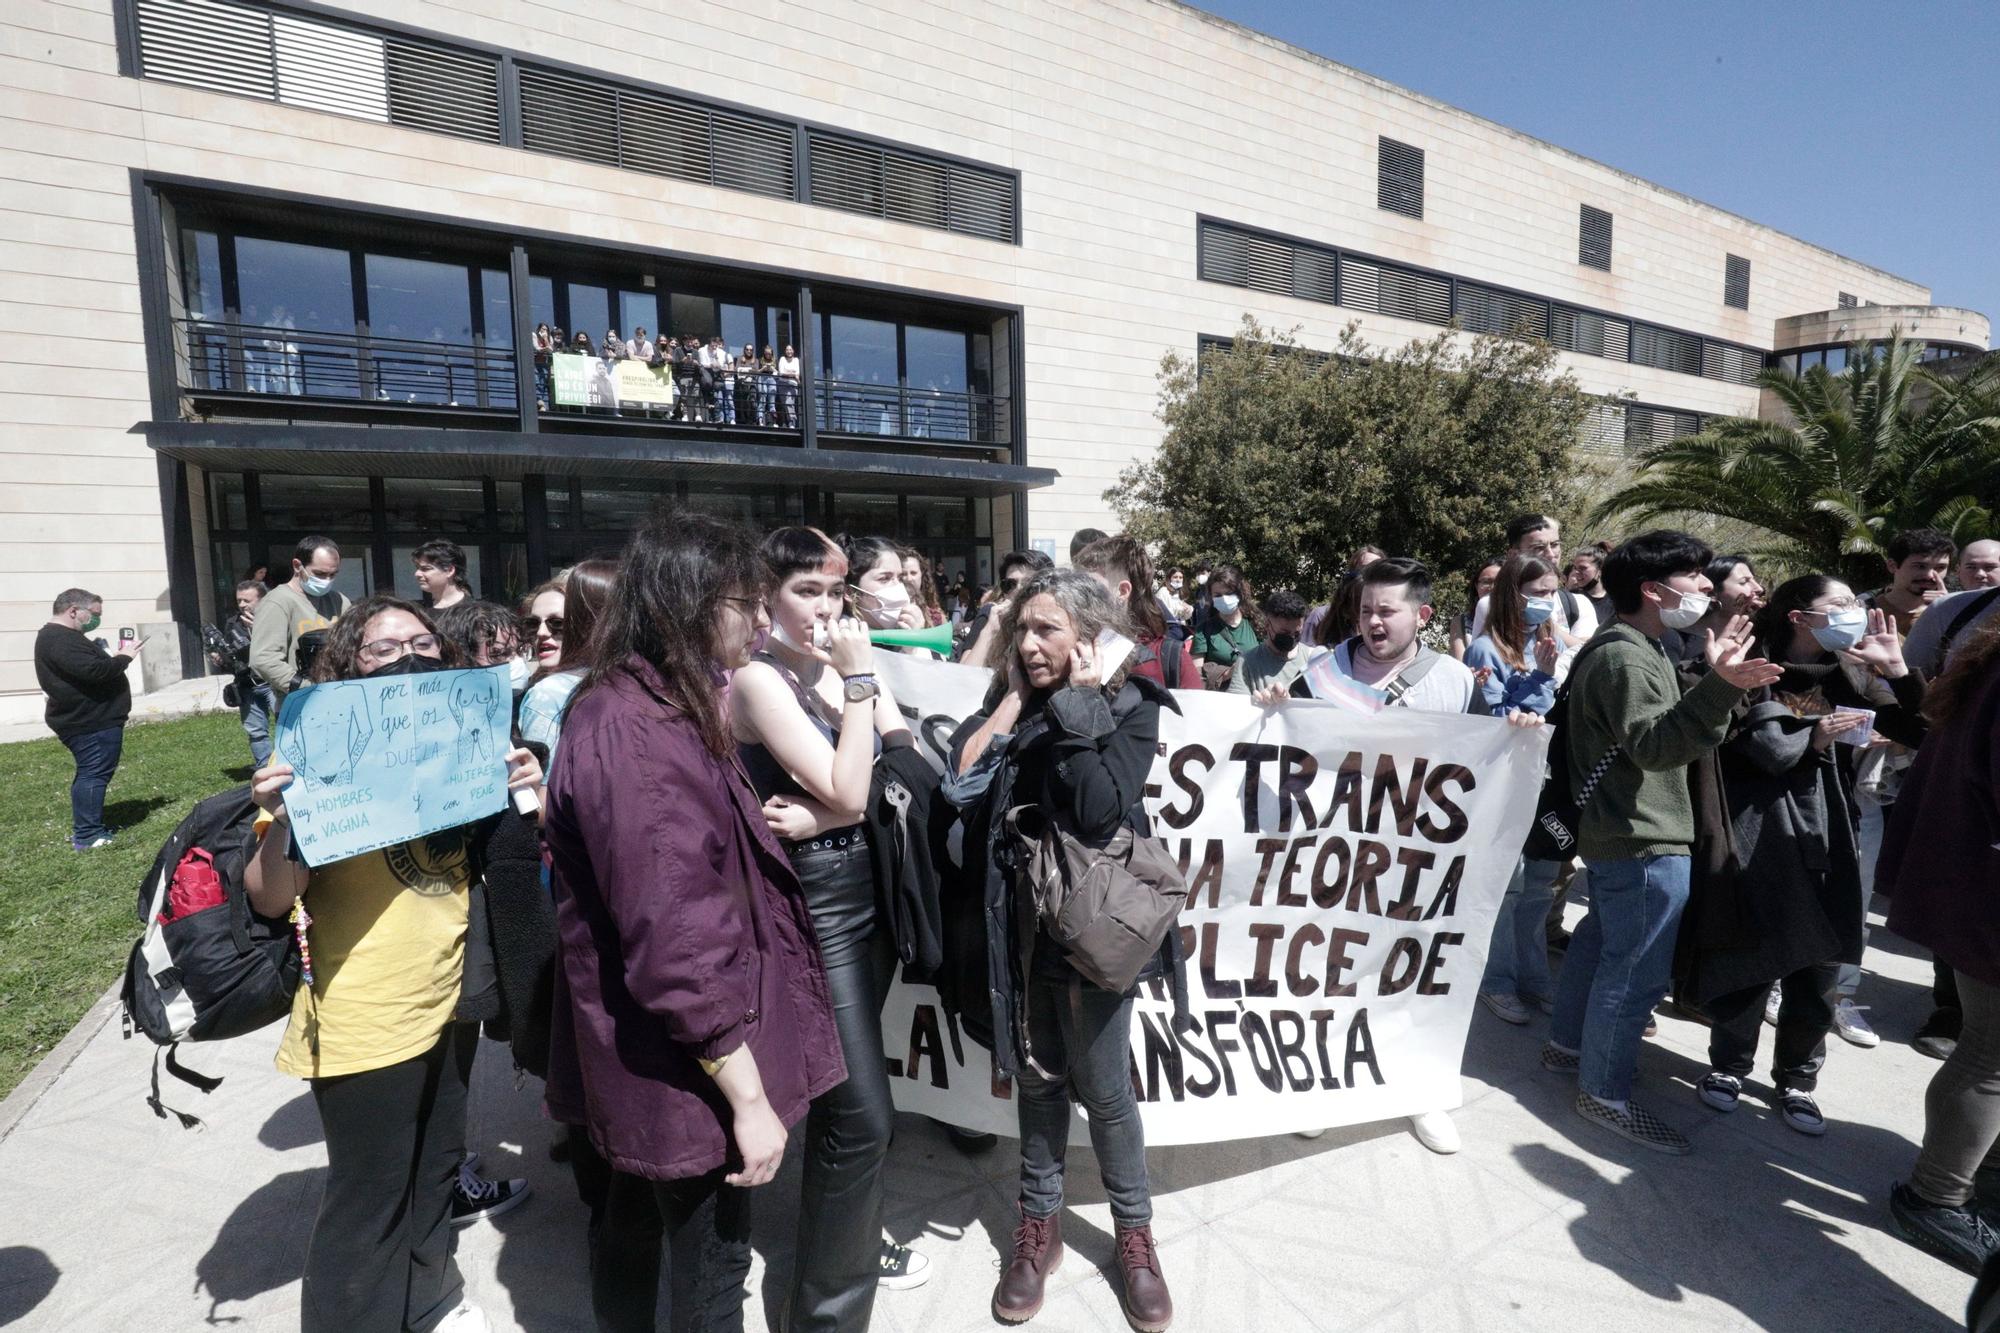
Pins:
<point x="318" y="587"/>
<point x="1843" y="629"/>
<point x="1537" y="609"/>
<point x="1225" y="602"/>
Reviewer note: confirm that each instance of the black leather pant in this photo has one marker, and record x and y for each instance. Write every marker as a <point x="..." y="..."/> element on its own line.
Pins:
<point x="847" y="1131"/>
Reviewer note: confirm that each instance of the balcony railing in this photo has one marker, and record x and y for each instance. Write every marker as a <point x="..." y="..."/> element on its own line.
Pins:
<point x="848" y="407"/>
<point x="223" y="358"/>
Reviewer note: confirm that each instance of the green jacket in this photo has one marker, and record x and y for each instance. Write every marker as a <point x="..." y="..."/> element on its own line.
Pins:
<point x="1627" y="693"/>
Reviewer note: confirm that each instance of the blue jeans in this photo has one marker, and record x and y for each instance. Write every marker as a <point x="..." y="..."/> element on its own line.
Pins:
<point x="96" y="760"/>
<point x="258" y="708"/>
<point x="1874" y="819"/>
<point x="767" y="400"/>
<point x="725" y="398"/>
<point x="788" y="403"/>
<point x="1618" y="966"/>
<point x="1082" y="1036"/>
<point x="1518" y="962"/>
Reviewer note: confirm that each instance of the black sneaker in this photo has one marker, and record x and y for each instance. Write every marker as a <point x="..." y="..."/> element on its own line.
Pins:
<point x="902" y="1267"/>
<point x="1719" y="1091"/>
<point x="1559" y="1061"/>
<point x="1801" y="1112"/>
<point x="1959" y="1236"/>
<point x="1633" y="1121"/>
<point x="474" y="1196"/>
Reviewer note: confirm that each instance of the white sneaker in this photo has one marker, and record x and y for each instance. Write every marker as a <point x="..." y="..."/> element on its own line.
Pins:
<point x="464" y="1318"/>
<point x="1851" y="1026"/>
<point x="1435" y="1130"/>
<point x="1771" y="1003"/>
<point x="1308" y="1133"/>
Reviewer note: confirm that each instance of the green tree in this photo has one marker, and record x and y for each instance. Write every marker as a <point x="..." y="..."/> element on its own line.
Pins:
<point x="1882" y="447"/>
<point x="1283" y="460"/>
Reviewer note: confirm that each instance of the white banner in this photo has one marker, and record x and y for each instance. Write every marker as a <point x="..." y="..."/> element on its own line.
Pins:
<point x="1344" y="873"/>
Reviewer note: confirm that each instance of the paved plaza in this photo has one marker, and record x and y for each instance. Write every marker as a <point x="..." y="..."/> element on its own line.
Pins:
<point x="115" y="1220"/>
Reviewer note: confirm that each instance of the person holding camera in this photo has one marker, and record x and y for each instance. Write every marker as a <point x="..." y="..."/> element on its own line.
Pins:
<point x="253" y="700"/>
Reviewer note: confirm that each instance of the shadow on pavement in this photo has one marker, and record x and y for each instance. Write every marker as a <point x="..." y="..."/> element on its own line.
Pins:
<point x="243" y="1261"/>
<point x="293" y="1125"/>
<point x="27" y="1276"/>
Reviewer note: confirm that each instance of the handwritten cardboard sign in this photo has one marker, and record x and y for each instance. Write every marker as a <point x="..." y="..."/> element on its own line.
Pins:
<point x="378" y="762"/>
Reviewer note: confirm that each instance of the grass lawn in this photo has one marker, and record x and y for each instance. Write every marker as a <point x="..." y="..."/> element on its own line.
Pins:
<point x="68" y="919"/>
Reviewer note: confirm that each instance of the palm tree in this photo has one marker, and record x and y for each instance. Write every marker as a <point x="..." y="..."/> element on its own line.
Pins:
<point x="1861" y="458"/>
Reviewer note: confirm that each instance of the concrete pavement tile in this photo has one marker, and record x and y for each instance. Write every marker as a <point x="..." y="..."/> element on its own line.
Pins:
<point x="1207" y="1275"/>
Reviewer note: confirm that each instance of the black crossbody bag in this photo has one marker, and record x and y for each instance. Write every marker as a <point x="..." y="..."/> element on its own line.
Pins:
<point x="1558" y="816"/>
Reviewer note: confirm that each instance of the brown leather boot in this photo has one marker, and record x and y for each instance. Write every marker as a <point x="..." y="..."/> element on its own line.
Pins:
<point x="1149" y="1307"/>
<point x="1038" y="1252"/>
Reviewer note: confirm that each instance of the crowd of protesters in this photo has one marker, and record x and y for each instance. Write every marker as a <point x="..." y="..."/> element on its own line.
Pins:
<point x="1748" y="765"/>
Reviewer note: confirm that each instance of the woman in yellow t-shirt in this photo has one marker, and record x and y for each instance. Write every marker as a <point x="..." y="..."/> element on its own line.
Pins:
<point x="374" y="1033"/>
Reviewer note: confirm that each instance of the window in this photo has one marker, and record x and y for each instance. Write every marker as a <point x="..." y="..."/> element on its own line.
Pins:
<point x="1848" y="301"/>
<point x="418" y="299"/>
<point x="227" y="511"/>
<point x="201" y="260"/>
<point x="284" y="285"/>
<point x="1591" y="334"/>
<point x="453" y="507"/>
<point x="1594" y="238"/>
<point x="499" y="308"/>
<point x="589" y="310"/>
<point x="863" y="513"/>
<point x="1399" y="178"/>
<point x="1736" y="282"/>
<point x="862" y="177"/>
<point x="1487" y="310"/>
<point x="301" y="505"/>
<point x="936" y="358"/>
<point x="861" y="350"/>
<point x="1666" y="349"/>
<point x="638" y="310"/>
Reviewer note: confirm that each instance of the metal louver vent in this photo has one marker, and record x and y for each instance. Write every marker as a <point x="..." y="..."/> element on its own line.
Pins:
<point x="752" y="154"/>
<point x="1488" y="310"/>
<point x="1736" y="282"/>
<point x="1222" y="255"/>
<point x="1316" y="275"/>
<point x="1657" y="425"/>
<point x="1848" y="301"/>
<point x="569" y="117"/>
<point x="1666" y="349"/>
<point x="1409" y="294"/>
<point x="1604" y="428"/>
<point x="1360" y="283"/>
<point x="1594" y="238"/>
<point x="1399" y="177"/>
<point x="1590" y="333"/>
<point x="658" y="135"/>
<point x="860" y="177"/>
<point x="320" y="66"/>
<point x="1734" y="365"/>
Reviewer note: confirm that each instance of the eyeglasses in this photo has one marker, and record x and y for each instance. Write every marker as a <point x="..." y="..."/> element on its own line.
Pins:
<point x="530" y="625"/>
<point x="752" y="606"/>
<point x="423" y="645"/>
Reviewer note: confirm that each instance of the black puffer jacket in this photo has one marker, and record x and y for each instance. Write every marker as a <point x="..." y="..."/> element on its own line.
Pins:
<point x="1083" y="755"/>
<point x="510" y="941"/>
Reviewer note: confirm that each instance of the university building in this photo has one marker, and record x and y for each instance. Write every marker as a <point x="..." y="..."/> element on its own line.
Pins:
<point x="271" y="268"/>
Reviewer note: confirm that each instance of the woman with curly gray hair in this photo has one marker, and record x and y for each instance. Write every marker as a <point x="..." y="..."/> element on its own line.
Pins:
<point x="1061" y="734"/>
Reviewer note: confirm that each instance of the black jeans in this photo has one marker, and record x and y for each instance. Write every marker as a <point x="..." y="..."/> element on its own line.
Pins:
<point x="1081" y="1037"/>
<point x="1805" y="1016"/>
<point x="847" y="1131"/>
<point x="702" y="1227"/>
<point x="96" y="754"/>
<point x="380" y="1254"/>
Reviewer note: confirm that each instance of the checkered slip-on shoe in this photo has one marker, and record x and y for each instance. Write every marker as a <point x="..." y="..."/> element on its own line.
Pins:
<point x="1634" y="1122"/>
<point x="1559" y="1061"/>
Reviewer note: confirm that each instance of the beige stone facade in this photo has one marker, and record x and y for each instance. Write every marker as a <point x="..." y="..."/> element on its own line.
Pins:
<point x="1125" y="119"/>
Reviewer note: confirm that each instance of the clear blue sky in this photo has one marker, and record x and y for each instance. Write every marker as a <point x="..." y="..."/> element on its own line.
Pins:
<point x="1870" y="128"/>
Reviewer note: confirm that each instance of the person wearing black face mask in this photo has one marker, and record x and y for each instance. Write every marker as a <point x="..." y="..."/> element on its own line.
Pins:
<point x="404" y="966"/>
<point x="1281" y="658"/>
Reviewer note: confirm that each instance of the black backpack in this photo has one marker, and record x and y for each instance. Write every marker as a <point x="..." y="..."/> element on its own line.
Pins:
<point x="213" y="973"/>
<point x="1558" y="815"/>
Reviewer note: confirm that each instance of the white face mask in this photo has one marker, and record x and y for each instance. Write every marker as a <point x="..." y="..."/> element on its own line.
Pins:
<point x="1693" y="607"/>
<point x="820" y="637"/>
<point x="1226" y="602"/>
<point x="317" y="586"/>
<point x="880" y="606"/>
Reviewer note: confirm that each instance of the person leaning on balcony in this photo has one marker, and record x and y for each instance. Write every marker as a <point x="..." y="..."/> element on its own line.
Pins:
<point x="544" y="344"/>
<point x="788" y="388"/>
<point x="640" y="347"/>
<point x="724" y="366"/>
<point x="767" y="388"/>
<point x="746" y="387"/>
<point x="687" y="378"/>
<point x="613" y="346"/>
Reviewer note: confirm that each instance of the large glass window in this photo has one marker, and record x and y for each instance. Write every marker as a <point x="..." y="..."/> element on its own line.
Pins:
<point x="589" y="311"/>
<point x="637" y="310"/>
<point x="939" y="516"/>
<point x="314" y="504"/>
<point x="542" y="301"/>
<point x="620" y="509"/>
<point x="863" y="514"/>
<point x="201" y="257"/>
<point x="284" y="285"/>
<point x="740" y="326"/>
<point x="760" y="506"/>
<point x="453" y="507"/>
<point x="418" y="299"/>
<point x="936" y="358"/>
<point x="862" y="351"/>
<point x="499" y="307"/>
<point x="693" y="315"/>
<point x="227" y="511"/>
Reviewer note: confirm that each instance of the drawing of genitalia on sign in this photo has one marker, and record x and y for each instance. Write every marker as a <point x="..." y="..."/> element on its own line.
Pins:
<point x="379" y="762"/>
<point x="1344" y="872"/>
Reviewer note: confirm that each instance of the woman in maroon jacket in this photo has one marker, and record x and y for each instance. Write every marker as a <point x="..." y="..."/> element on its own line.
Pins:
<point x="1939" y="868"/>
<point x="692" y="1022"/>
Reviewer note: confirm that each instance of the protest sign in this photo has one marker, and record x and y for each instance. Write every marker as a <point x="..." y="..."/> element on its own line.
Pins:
<point x="1344" y="872"/>
<point x="638" y="382"/>
<point x="581" y="381"/>
<point x="379" y="761"/>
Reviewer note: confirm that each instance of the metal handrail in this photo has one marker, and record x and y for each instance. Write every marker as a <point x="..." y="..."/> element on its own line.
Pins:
<point x="853" y="407"/>
<point x="235" y="358"/>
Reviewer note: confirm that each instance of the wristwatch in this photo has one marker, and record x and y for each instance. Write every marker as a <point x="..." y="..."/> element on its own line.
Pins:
<point x="860" y="687"/>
